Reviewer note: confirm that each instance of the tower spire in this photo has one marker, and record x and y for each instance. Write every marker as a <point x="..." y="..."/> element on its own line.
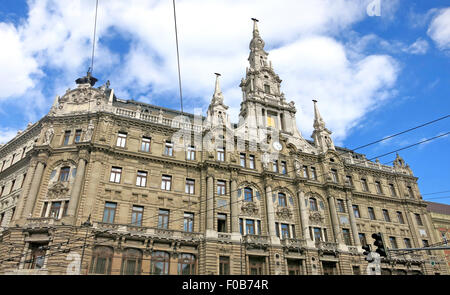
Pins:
<point x="217" y="96"/>
<point x="321" y="135"/>
<point x="255" y="27"/>
<point x="318" y="121"/>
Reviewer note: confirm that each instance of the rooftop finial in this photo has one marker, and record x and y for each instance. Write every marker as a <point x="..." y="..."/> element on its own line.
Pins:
<point x="217" y="92"/>
<point x="255" y="25"/>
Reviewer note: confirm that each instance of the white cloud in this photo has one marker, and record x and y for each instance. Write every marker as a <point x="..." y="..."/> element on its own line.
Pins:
<point x="16" y="65"/>
<point x="418" y="47"/>
<point x="301" y="37"/>
<point x="439" y="29"/>
<point x="6" y="134"/>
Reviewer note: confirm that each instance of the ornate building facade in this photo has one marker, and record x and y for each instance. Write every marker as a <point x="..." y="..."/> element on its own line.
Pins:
<point x="123" y="187"/>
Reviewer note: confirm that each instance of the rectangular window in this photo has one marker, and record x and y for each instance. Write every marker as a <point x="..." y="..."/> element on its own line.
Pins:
<point x="66" y="137"/>
<point x="252" y="162"/>
<point x="334" y="175"/>
<point x="283" y="167"/>
<point x="277" y="229"/>
<point x="305" y="172"/>
<point x="64" y="174"/>
<point x="317" y="234"/>
<point x="109" y="212"/>
<point x="378" y="187"/>
<point x="141" y="179"/>
<point x="248" y="194"/>
<point x="400" y="217"/>
<point x="121" y="139"/>
<point x="282" y="200"/>
<point x="222" y="223"/>
<point x="313" y="173"/>
<point x="12" y="186"/>
<point x="224" y="265"/>
<point x="163" y="219"/>
<point x="271" y="120"/>
<point x="340" y="206"/>
<point x="190" y="186"/>
<point x="55" y="209"/>
<point x="166" y="182"/>
<point x="407" y="243"/>
<point x="242" y="160"/>
<point x="349" y="180"/>
<point x="425" y="245"/>
<point x="371" y="213"/>
<point x="2" y="190"/>
<point x="190" y="154"/>
<point x="418" y="219"/>
<point x="77" y="135"/>
<point x="168" y="149"/>
<point x="116" y="173"/>
<point x="365" y="187"/>
<point x="410" y="192"/>
<point x="221" y="187"/>
<point x="275" y="166"/>
<point x="267" y="88"/>
<point x="250" y="225"/>
<point x="258" y="225"/>
<point x="392" y="189"/>
<point x="145" y="145"/>
<point x="136" y="215"/>
<point x="362" y="239"/>
<point x="356" y="211"/>
<point x="393" y="242"/>
<point x="386" y="215"/>
<point x="188" y="222"/>
<point x="23" y="181"/>
<point x="221" y="154"/>
<point x="347" y="238"/>
<point x="3" y="165"/>
<point x="44" y="210"/>
<point x="241" y="226"/>
<point x="285" y="231"/>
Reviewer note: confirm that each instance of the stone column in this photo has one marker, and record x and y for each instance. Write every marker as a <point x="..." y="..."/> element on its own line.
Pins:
<point x="234" y="210"/>
<point x="210" y="232"/>
<point x="334" y="220"/>
<point x="76" y="189"/>
<point x="34" y="189"/>
<point x="353" y="222"/>
<point x="271" y="216"/>
<point x="303" y="214"/>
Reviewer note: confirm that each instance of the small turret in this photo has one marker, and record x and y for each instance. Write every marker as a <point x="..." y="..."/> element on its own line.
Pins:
<point x="321" y="135"/>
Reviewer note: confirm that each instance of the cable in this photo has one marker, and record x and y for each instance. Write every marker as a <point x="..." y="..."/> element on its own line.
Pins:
<point x="408" y="130"/>
<point x="93" y="40"/>
<point x="435" y="193"/>
<point x="259" y="183"/>
<point x="178" y="56"/>
<point x="407" y="147"/>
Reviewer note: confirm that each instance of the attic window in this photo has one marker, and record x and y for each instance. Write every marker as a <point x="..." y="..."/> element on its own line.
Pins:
<point x="331" y="160"/>
<point x="266" y="88"/>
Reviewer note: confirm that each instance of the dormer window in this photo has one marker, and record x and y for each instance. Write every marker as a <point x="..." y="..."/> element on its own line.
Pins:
<point x="267" y="88"/>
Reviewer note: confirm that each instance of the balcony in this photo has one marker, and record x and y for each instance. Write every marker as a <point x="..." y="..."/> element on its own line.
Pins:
<point x="40" y="223"/>
<point x="327" y="247"/>
<point x="294" y="244"/>
<point x="256" y="241"/>
<point x="148" y="232"/>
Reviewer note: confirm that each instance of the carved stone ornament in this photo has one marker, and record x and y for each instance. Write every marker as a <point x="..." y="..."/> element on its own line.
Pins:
<point x="48" y="135"/>
<point x="249" y="208"/>
<point x="89" y="132"/>
<point x="315" y="217"/>
<point x="58" y="191"/>
<point x="284" y="213"/>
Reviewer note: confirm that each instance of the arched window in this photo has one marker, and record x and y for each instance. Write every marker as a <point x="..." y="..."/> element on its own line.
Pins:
<point x="131" y="262"/>
<point x="248" y="194"/>
<point x="186" y="264"/>
<point x="313" y="204"/>
<point x="160" y="263"/>
<point x="101" y="260"/>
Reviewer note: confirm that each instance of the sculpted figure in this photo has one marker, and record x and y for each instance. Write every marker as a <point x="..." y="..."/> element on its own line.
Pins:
<point x="89" y="132"/>
<point x="48" y="135"/>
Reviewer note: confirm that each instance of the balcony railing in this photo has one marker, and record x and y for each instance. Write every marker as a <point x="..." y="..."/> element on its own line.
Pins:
<point x="40" y="222"/>
<point x="149" y="232"/>
<point x="256" y="240"/>
<point x="294" y="243"/>
<point x="327" y="246"/>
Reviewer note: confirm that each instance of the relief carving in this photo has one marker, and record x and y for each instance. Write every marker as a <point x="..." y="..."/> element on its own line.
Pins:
<point x="58" y="191"/>
<point x="249" y="208"/>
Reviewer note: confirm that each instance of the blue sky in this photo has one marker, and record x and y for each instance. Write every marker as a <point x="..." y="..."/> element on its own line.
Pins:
<point x="373" y="76"/>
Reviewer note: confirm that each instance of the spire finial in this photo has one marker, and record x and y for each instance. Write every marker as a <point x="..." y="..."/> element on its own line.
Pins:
<point x="255" y="26"/>
<point x="318" y="121"/>
<point x="218" y="96"/>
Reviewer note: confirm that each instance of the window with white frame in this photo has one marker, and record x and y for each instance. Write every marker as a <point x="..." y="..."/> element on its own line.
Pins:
<point x="121" y="139"/>
<point x="116" y="173"/>
<point x="145" y="145"/>
<point x="190" y="154"/>
<point x="166" y="182"/>
<point x="168" y="149"/>
<point x="190" y="186"/>
<point x="141" y="178"/>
